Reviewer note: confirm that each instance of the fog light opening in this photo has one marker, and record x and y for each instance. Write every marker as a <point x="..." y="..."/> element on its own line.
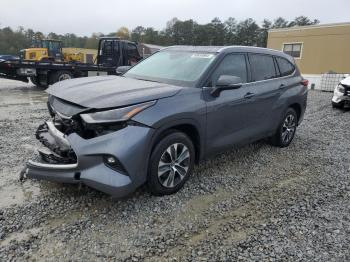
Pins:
<point x="111" y="160"/>
<point x="114" y="163"/>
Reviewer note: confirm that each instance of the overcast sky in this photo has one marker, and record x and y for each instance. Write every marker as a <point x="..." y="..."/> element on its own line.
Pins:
<point x="84" y="17"/>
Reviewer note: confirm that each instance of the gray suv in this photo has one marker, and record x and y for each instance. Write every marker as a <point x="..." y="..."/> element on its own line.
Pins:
<point x="153" y="123"/>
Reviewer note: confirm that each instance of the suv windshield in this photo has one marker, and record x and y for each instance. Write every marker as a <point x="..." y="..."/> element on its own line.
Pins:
<point x="172" y="67"/>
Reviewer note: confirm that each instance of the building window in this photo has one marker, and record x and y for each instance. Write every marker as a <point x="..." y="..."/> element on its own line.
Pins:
<point x="293" y="50"/>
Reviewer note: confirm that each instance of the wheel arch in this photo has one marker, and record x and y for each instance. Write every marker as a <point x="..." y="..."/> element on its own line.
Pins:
<point x="190" y="128"/>
<point x="297" y="108"/>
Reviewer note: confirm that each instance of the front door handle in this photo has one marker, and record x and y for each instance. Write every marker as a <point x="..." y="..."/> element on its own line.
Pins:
<point x="249" y="95"/>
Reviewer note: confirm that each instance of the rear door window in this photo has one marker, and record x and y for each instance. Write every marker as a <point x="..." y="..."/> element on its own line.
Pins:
<point x="286" y="67"/>
<point x="232" y="64"/>
<point x="262" y="67"/>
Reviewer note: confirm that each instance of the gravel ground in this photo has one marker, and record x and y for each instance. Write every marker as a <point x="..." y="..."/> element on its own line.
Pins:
<point x="256" y="203"/>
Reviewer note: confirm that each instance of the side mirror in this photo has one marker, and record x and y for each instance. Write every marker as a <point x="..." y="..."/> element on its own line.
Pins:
<point x="122" y="69"/>
<point x="226" y="82"/>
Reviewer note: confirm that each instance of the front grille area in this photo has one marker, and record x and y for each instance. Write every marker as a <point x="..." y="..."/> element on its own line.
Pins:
<point x="68" y="126"/>
<point x="55" y="153"/>
<point x="75" y="125"/>
<point x="66" y="117"/>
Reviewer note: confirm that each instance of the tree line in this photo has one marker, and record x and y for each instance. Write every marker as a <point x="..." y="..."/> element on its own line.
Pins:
<point x="229" y="32"/>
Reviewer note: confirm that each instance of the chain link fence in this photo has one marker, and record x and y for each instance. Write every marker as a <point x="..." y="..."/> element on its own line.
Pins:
<point x="330" y="80"/>
<point x="324" y="85"/>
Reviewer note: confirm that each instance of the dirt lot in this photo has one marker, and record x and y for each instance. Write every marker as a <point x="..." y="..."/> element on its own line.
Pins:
<point x="255" y="203"/>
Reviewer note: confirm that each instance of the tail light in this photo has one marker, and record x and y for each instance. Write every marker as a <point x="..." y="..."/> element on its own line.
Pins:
<point x="304" y="82"/>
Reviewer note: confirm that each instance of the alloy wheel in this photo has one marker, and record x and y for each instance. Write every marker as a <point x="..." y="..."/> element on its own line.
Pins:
<point x="173" y="165"/>
<point x="288" y="128"/>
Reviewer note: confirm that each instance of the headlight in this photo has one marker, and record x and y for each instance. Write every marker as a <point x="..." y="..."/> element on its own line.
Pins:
<point x="115" y="115"/>
<point x="340" y="88"/>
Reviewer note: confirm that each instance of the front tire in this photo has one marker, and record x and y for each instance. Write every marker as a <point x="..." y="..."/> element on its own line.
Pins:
<point x="171" y="164"/>
<point x="36" y="81"/>
<point x="286" y="130"/>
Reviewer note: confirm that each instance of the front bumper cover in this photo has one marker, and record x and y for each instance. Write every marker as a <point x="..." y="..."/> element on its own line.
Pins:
<point x="129" y="145"/>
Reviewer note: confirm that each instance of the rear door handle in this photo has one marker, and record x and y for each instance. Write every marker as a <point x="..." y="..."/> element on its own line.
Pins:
<point x="249" y="95"/>
<point x="282" y="86"/>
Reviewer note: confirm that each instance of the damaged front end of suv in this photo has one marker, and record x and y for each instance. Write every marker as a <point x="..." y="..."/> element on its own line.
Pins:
<point x="341" y="95"/>
<point x="92" y="146"/>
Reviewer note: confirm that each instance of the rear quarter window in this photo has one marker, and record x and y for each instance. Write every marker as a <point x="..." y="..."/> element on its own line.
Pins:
<point x="286" y="68"/>
<point x="262" y="67"/>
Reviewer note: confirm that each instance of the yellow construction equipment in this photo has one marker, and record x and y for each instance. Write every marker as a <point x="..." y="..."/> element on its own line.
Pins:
<point x="73" y="57"/>
<point x="49" y="50"/>
<point x="43" y="50"/>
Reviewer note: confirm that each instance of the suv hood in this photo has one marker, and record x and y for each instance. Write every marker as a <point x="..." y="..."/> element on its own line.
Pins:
<point x="110" y="91"/>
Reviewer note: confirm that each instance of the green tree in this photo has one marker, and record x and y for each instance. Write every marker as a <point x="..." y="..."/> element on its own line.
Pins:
<point x="302" y="21"/>
<point x="123" y="33"/>
<point x="187" y="32"/>
<point x="217" y="32"/>
<point x="170" y="31"/>
<point x="137" y="34"/>
<point x="53" y="35"/>
<point x="263" y="34"/>
<point x="201" y="34"/>
<point x="230" y="31"/>
<point x="150" y="36"/>
<point x="280" y="22"/>
<point x="92" y="41"/>
<point x="184" y="32"/>
<point x="247" y="33"/>
<point x="39" y="36"/>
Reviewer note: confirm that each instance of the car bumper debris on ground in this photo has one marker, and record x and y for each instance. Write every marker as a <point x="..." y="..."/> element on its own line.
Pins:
<point x="254" y="203"/>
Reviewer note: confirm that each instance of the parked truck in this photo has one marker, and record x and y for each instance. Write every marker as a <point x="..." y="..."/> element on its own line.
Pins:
<point x="112" y="53"/>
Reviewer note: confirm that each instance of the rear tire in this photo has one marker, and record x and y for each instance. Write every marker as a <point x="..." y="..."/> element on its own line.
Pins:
<point x="60" y="76"/>
<point x="286" y="129"/>
<point x="171" y="164"/>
